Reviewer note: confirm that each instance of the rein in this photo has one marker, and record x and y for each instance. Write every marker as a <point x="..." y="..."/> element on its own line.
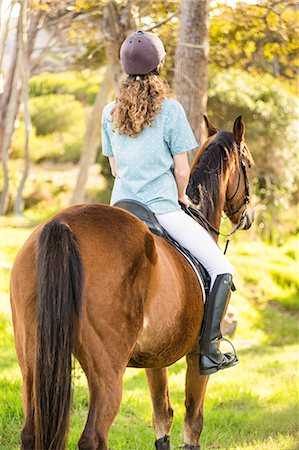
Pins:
<point x="195" y="213"/>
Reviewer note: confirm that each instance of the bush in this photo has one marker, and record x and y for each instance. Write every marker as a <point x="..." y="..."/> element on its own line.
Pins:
<point x="56" y="147"/>
<point x="52" y="113"/>
<point x="58" y="127"/>
<point x="83" y="85"/>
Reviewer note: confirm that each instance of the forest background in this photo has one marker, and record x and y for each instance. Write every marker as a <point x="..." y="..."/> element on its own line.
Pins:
<point x="59" y="65"/>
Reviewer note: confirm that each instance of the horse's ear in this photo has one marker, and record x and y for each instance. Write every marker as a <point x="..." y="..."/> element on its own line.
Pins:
<point x="239" y="130"/>
<point x="210" y="127"/>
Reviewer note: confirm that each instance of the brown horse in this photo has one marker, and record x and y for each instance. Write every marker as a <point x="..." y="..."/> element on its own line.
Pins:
<point x="94" y="281"/>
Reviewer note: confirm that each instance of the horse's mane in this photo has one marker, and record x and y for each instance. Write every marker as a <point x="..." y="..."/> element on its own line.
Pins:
<point x="207" y="171"/>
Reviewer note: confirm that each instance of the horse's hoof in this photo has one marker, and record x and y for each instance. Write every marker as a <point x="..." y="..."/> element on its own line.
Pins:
<point x="191" y="447"/>
<point x="27" y="440"/>
<point x="163" y="443"/>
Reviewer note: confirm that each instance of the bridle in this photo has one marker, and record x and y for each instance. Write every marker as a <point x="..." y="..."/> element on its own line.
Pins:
<point x="246" y="197"/>
<point x="194" y="212"/>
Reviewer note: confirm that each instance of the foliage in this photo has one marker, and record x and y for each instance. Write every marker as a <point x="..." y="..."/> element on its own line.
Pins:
<point x="269" y="112"/>
<point x="258" y="37"/>
<point x="249" y="407"/>
<point x="57" y="132"/>
<point x="58" y="147"/>
<point x="52" y="113"/>
<point x="82" y="85"/>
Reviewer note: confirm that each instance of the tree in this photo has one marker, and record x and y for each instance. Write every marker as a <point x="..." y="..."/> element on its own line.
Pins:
<point x="259" y="37"/>
<point x="19" y="206"/>
<point x="192" y="52"/>
<point x="10" y="100"/>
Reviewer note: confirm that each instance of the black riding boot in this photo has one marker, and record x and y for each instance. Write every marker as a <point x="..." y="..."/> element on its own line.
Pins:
<point x="211" y="359"/>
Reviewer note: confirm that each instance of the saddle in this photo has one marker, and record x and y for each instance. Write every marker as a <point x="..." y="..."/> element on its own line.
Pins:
<point x="148" y="217"/>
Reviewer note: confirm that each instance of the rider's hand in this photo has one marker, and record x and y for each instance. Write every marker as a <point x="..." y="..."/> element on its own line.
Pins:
<point x="185" y="200"/>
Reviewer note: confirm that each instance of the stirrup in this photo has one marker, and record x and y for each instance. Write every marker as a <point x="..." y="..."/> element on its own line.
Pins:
<point x="227" y="340"/>
<point x="228" y="360"/>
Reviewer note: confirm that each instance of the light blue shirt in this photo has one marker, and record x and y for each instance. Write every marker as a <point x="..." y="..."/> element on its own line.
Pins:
<point x="144" y="164"/>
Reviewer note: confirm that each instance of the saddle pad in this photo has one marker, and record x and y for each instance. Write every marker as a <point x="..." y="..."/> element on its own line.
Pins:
<point x="148" y="217"/>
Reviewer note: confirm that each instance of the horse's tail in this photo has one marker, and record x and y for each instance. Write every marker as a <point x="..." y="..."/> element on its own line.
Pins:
<point x="59" y="300"/>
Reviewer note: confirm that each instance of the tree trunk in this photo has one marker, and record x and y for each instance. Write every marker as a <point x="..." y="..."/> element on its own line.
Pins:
<point x="4" y="97"/>
<point x="192" y="52"/>
<point x="19" y="204"/>
<point x="11" y="98"/>
<point x="91" y="139"/>
<point x="4" y="35"/>
<point x="11" y="109"/>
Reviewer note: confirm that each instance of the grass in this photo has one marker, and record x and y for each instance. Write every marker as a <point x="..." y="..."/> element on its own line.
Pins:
<point x="253" y="406"/>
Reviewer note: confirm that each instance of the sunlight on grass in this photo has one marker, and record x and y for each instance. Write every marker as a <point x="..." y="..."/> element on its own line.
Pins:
<point x="279" y="442"/>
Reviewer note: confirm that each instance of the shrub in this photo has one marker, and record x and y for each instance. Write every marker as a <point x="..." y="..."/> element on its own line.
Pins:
<point x="83" y="85"/>
<point x="58" y="126"/>
<point x="56" y="147"/>
<point x="52" y="113"/>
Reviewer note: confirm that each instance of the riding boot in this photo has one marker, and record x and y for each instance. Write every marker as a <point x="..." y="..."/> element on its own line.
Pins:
<point x="211" y="359"/>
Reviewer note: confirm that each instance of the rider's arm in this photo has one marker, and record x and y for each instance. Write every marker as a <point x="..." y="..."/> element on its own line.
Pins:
<point x="112" y="165"/>
<point x="181" y="174"/>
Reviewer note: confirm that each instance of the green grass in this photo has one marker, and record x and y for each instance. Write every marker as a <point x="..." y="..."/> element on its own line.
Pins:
<point x="253" y="406"/>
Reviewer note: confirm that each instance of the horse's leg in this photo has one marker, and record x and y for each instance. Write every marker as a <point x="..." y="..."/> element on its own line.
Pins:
<point x="104" y="365"/>
<point x="104" y="400"/>
<point x="162" y="410"/>
<point x="195" y="393"/>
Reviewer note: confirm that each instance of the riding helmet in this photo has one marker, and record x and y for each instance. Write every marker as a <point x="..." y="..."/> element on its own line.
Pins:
<point x="141" y="53"/>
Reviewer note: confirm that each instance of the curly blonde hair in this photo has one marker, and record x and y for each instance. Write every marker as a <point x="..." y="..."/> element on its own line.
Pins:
<point x="138" y="101"/>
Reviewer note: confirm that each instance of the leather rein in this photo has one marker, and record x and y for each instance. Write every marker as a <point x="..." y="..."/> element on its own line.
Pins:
<point x="197" y="214"/>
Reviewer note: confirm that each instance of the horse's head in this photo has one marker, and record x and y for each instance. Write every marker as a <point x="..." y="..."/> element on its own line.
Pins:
<point x="220" y="173"/>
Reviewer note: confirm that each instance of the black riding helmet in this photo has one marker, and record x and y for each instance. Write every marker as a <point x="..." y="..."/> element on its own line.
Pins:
<point x="141" y="53"/>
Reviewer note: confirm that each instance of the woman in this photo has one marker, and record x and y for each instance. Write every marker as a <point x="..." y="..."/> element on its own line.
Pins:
<point x="146" y="136"/>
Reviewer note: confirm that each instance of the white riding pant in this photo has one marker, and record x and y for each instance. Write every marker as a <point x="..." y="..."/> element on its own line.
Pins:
<point x="191" y="235"/>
